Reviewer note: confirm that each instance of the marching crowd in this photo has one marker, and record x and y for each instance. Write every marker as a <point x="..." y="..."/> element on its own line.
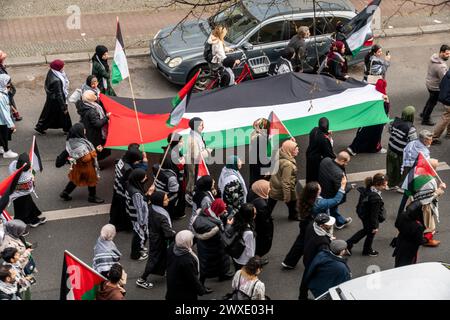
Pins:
<point x="229" y="229"/>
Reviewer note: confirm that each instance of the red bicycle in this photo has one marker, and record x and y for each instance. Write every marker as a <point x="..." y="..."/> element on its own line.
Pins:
<point x="250" y="67"/>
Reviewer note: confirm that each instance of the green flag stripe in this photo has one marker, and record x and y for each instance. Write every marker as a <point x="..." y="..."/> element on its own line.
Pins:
<point x="90" y="295"/>
<point x="116" y="76"/>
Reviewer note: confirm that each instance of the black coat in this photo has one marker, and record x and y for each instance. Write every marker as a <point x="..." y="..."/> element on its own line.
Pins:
<point x="374" y="211"/>
<point x="214" y="262"/>
<point x="313" y="244"/>
<point x="159" y="234"/>
<point x="319" y="148"/>
<point x="410" y="235"/>
<point x="183" y="283"/>
<point x="263" y="224"/>
<point x="330" y="177"/>
<point x="53" y="116"/>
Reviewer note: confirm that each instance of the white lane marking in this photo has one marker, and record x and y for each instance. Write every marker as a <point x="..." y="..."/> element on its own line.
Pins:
<point x="104" y="208"/>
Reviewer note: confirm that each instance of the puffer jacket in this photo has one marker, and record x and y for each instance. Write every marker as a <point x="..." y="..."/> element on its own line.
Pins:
<point x="437" y="68"/>
<point x="282" y="184"/>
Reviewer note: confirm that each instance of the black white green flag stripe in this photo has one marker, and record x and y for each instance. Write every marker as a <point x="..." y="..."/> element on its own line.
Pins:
<point x="120" y="65"/>
<point x="298" y="99"/>
<point x="357" y="29"/>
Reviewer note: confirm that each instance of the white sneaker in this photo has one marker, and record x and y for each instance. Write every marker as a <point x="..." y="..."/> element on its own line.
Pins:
<point x="382" y="151"/>
<point x="10" y="154"/>
<point x="2" y="150"/>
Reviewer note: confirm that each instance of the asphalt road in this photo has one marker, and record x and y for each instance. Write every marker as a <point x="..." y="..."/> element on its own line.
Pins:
<point x="406" y="87"/>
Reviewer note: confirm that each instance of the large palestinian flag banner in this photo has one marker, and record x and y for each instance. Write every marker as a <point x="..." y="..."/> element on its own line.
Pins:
<point x="299" y="101"/>
<point x="78" y="280"/>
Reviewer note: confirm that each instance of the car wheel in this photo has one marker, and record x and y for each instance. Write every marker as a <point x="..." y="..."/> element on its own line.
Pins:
<point x="203" y="79"/>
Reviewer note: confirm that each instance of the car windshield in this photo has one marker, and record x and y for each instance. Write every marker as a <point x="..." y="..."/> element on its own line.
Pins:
<point x="237" y="20"/>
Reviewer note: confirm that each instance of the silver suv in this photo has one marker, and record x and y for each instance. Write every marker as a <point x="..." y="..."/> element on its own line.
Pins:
<point x="256" y="27"/>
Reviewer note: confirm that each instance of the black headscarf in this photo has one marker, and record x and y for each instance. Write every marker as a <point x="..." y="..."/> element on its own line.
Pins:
<point x="194" y="123"/>
<point x="23" y="158"/>
<point x="132" y="155"/>
<point x="77" y="131"/>
<point x="135" y="184"/>
<point x="202" y="186"/>
<point x="100" y="50"/>
<point x="157" y="198"/>
<point x="324" y="125"/>
<point x="89" y="80"/>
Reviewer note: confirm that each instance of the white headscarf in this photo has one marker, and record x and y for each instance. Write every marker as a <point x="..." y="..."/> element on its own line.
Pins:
<point x="184" y="240"/>
<point x="65" y="81"/>
<point x="4" y="80"/>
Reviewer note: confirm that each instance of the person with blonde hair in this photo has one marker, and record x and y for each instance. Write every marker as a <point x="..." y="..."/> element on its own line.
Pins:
<point x="298" y="43"/>
<point x="217" y="42"/>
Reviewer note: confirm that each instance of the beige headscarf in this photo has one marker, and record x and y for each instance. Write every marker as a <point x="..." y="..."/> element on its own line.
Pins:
<point x="288" y="147"/>
<point x="261" y="188"/>
<point x="184" y="240"/>
<point x="108" y="232"/>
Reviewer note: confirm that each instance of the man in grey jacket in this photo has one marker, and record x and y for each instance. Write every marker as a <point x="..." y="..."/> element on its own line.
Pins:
<point x="437" y="68"/>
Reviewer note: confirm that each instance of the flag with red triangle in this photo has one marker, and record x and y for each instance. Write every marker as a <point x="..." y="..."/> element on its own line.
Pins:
<point x="202" y="168"/>
<point x="35" y="157"/>
<point x="8" y="186"/>
<point x="180" y="102"/>
<point x="276" y="129"/>
<point x="419" y="175"/>
<point x="78" y="280"/>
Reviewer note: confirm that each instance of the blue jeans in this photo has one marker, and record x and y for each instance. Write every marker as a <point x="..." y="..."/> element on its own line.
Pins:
<point x="340" y="220"/>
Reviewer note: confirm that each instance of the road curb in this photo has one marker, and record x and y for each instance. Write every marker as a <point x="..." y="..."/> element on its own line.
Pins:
<point x="142" y="52"/>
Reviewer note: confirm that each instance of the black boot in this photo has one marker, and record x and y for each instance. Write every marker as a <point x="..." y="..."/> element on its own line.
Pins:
<point x="65" y="196"/>
<point x="95" y="199"/>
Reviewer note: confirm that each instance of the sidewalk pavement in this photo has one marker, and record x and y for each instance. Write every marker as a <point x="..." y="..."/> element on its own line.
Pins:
<point x="38" y="40"/>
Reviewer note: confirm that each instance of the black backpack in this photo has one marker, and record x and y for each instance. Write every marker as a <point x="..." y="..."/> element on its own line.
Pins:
<point x="207" y="52"/>
<point x="233" y="242"/>
<point x="362" y="202"/>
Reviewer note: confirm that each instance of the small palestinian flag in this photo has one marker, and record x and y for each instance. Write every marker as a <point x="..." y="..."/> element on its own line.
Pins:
<point x="180" y="102"/>
<point x="78" y="280"/>
<point x="120" y="69"/>
<point x="35" y="157"/>
<point x="419" y="175"/>
<point x="357" y="29"/>
<point x="8" y="186"/>
<point x="278" y="129"/>
<point x="202" y="168"/>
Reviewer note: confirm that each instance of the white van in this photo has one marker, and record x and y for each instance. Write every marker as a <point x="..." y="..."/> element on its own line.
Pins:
<point x="423" y="281"/>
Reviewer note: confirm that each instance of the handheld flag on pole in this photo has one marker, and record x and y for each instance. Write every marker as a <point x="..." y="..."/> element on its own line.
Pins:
<point x="35" y="157"/>
<point x="419" y="175"/>
<point x="357" y="29"/>
<point x="120" y="69"/>
<point x="276" y="128"/>
<point x="8" y="186"/>
<point x="78" y="280"/>
<point x="180" y="102"/>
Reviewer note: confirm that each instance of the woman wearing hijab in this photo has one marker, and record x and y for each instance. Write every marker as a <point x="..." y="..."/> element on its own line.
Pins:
<point x="117" y="214"/>
<point x="196" y="150"/>
<point x="282" y="183"/>
<point x="203" y="197"/>
<point x="259" y="162"/>
<point x="24" y="207"/>
<point x="91" y="84"/>
<point x="183" y="282"/>
<point x="160" y="234"/>
<point x="137" y="208"/>
<point x="320" y="147"/>
<point x="232" y="185"/>
<point x="101" y="70"/>
<point x="106" y="253"/>
<point x="6" y="123"/>
<point x="259" y="196"/>
<point x="12" y="90"/>
<point x="368" y="139"/>
<point x="95" y="120"/>
<point x="83" y="164"/>
<point x="14" y="231"/>
<point x="401" y="131"/>
<point x="55" y="114"/>
<point x="208" y="227"/>
<point x="337" y="62"/>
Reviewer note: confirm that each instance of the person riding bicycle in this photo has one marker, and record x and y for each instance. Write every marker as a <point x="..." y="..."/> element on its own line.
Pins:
<point x="219" y="49"/>
<point x="284" y="64"/>
<point x="226" y="73"/>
